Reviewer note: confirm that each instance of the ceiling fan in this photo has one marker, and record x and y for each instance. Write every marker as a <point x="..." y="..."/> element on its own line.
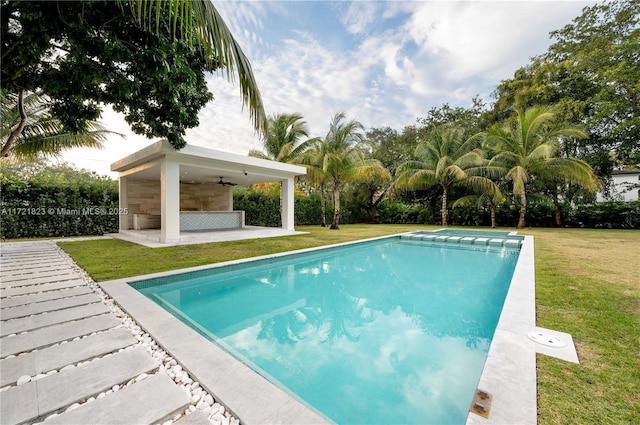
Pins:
<point x="224" y="183"/>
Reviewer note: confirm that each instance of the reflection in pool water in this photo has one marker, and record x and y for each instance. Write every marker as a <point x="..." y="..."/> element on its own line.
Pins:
<point x="386" y="332"/>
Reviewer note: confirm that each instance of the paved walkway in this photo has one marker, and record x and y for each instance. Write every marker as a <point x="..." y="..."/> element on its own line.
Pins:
<point x="67" y="357"/>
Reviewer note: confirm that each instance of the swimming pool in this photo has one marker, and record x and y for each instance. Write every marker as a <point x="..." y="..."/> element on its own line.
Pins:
<point x="387" y="331"/>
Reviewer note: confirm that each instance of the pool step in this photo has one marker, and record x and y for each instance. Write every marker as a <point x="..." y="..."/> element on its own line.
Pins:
<point x="469" y="240"/>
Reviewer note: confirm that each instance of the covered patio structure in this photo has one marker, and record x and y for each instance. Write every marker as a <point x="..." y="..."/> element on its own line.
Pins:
<point x="173" y="197"/>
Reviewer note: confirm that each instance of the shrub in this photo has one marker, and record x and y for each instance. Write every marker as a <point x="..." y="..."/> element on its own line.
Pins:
<point x="391" y="212"/>
<point x="57" y="202"/>
<point x="606" y="215"/>
<point x="261" y="208"/>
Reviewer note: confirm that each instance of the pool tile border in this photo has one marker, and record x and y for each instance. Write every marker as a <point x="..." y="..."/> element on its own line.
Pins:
<point x="509" y="372"/>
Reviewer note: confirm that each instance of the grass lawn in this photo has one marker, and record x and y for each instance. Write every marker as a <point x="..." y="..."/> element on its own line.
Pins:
<point x="587" y="284"/>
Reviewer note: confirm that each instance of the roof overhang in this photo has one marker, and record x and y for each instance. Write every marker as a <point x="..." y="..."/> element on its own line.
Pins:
<point x="203" y="165"/>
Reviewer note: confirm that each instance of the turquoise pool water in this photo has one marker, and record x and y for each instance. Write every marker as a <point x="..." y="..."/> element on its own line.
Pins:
<point x="390" y="331"/>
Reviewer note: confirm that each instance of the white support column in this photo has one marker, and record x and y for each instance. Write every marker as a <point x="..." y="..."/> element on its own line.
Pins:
<point x="287" y="204"/>
<point x="169" y="201"/>
<point x="229" y="198"/>
<point x="123" y="203"/>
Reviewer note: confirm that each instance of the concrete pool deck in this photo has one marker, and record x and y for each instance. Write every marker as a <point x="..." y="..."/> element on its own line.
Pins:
<point x="46" y="271"/>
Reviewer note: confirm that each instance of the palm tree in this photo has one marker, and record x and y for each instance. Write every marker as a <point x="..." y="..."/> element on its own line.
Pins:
<point x="343" y="160"/>
<point x="282" y="141"/>
<point x="446" y="158"/>
<point x="200" y="19"/>
<point x="487" y="198"/>
<point x="370" y="193"/>
<point x="313" y="159"/>
<point x="29" y="132"/>
<point x="528" y="147"/>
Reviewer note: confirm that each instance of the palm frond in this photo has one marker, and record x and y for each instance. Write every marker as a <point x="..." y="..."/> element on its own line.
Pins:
<point x="200" y="19"/>
<point x="482" y="184"/>
<point x="519" y="176"/>
<point x="421" y="179"/>
<point x="43" y="135"/>
<point x="229" y="55"/>
<point x="542" y="152"/>
<point x="303" y="147"/>
<point x="255" y="153"/>
<point x="532" y="122"/>
<point x="575" y="171"/>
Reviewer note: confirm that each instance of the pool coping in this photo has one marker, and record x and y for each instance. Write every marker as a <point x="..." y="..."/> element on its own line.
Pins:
<point x="509" y="373"/>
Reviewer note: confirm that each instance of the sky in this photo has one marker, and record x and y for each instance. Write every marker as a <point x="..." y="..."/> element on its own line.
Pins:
<point x="383" y="63"/>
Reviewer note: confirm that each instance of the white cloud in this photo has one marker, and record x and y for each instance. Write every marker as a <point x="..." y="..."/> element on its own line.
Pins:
<point x="224" y="125"/>
<point x="304" y="76"/>
<point x="359" y="16"/>
<point x="390" y="63"/>
<point x="467" y="39"/>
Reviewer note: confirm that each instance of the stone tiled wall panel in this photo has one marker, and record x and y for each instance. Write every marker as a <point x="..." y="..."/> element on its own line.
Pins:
<point x="144" y="196"/>
<point x="205" y="197"/>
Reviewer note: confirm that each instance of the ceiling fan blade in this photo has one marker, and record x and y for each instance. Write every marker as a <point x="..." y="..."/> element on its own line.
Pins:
<point x="224" y="183"/>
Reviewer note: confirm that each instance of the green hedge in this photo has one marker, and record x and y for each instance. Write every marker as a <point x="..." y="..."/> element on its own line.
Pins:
<point x="507" y="215"/>
<point x="262" y="208"/>
<point x="390" y="212"/>
<point x="32" y="207"/>
<point x="606" y="215"/>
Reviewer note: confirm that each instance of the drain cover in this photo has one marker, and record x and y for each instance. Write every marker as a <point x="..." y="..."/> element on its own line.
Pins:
<point x="481" y="403"/>
<point x="546" y="339"/>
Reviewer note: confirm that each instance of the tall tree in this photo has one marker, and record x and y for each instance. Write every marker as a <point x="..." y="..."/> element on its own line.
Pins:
<point x="314" y="160"/>
<point x="41" y="135"/>
<point x="471" y="117"/>
<point x="527" y="146"/>
<point x="343" y="159"/>
<point x="447" y="158"/>
<point x="283" y="142"/>
<point x="389" y="146"/>
<point x="591" y="74"/>
<point x="384" y="145"/>
<point x="86" y="54"/>
<point x="602" y="47"/>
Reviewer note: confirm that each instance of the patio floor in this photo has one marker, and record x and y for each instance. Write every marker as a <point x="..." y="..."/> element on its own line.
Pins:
<point x="151" y="237"/>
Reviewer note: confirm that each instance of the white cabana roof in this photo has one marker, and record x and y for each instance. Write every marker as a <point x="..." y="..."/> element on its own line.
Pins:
<point x="203" y="165"/>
